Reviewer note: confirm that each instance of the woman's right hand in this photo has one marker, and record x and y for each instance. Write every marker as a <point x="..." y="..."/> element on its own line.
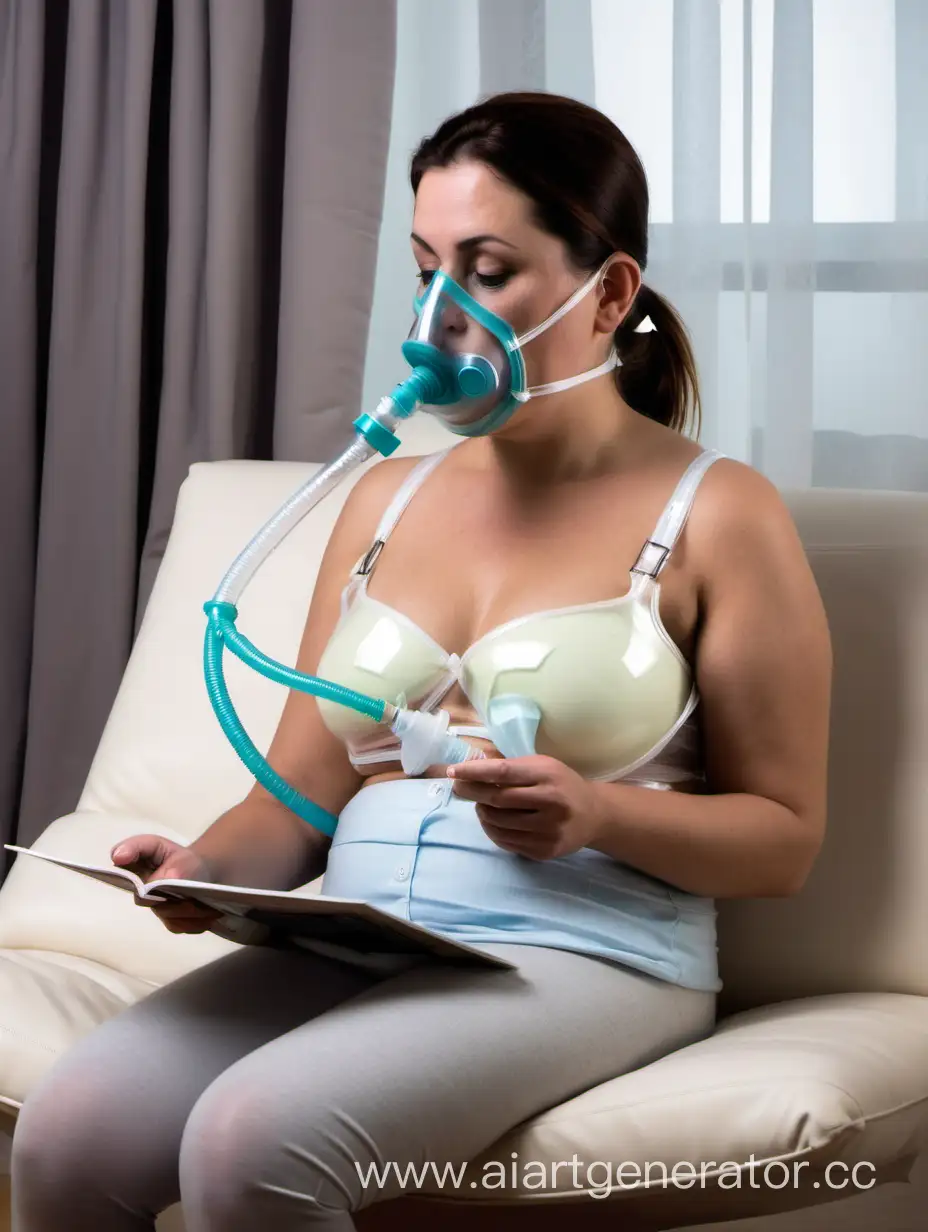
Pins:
<point x="153" y="858"/>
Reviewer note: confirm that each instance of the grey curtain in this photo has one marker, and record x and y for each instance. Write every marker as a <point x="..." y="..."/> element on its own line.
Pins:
<point x="190" y="200"/>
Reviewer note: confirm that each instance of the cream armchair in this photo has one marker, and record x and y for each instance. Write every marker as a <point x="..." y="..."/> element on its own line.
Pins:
<point x="820" y="1060"/>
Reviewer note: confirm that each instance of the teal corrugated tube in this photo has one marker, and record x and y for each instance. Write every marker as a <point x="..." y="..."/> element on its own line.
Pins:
<point x="221" y="632"/>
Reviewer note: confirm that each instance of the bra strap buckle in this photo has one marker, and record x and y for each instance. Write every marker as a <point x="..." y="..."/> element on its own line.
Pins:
<point x="368" y="560"/>
<point x="651" y="558"/>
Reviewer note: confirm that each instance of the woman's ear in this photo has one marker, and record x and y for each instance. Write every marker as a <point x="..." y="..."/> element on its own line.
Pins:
<point x="618" y="289"/>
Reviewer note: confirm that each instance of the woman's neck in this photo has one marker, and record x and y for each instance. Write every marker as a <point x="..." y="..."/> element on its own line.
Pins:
<point x="563" y="439"/>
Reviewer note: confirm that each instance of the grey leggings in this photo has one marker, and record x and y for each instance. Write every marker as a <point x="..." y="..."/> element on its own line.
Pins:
<point x="259" y="1088"/>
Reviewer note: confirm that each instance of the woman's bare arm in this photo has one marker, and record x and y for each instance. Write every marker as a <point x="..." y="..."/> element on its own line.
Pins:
<point x="763" y="669"/>
<point x="259" y="841"/>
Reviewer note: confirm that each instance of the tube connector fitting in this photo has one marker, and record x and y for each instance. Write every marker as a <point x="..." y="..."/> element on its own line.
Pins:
<point x="219" y="610"/>
<point x="425" y="741"/>
<point x="422" y="385"/>
<point x="377" y="435"/>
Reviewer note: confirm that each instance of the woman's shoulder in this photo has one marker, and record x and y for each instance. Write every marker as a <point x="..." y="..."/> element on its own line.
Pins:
<point x="735" y="496"/>
<point x="377" y="485"/>
<point x="740" y="520"/>
<point x="371" y="494"/>
<point x="733" y="499"/>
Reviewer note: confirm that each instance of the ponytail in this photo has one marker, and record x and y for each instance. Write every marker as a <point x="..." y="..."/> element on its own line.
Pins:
<point x="658" y="376"/>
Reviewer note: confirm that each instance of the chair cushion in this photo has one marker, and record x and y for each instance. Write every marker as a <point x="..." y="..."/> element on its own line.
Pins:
<point x="47" y="1002"/>
<point x="43" y="907"/>
<point x="773" y="1096"/>
<point x="795" y="1085"/>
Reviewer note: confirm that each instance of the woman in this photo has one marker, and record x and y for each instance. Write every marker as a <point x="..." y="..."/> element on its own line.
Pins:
<point x="547" y="559"/>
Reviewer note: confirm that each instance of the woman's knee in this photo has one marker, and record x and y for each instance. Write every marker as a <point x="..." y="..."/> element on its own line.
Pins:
<point x="77" y="1128"/>
<point x="59" y="1126"/>
<point x="245" y="1155"/>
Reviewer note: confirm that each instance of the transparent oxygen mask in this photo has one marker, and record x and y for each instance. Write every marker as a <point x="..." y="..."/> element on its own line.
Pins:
<point x="472" y="351"/>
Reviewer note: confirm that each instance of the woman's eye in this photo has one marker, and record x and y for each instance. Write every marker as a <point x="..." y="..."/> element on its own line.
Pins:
<point x="489" y="281"/>
<point x="492" y="281"/>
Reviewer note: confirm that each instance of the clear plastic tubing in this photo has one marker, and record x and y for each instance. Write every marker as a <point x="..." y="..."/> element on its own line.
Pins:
<point x="375" y="435"/>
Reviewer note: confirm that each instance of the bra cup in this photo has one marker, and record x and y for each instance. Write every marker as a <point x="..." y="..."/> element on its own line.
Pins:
<point x="609" y="683"/>
<point x="375" y="652"/>
<point x="609" y="686"/>
<point x="614" y="692"/>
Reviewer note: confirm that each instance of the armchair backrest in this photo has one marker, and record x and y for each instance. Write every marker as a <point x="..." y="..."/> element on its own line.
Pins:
<point x="862" y="919"/>
<point x="163" y="753"/>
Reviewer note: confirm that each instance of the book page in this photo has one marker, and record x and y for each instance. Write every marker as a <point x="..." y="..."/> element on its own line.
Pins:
<point x="121" y="878"/>
<point x="314" y="918"/>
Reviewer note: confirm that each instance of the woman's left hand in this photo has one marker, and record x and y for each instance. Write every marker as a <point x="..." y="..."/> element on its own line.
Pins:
<point x="532" y="806"/>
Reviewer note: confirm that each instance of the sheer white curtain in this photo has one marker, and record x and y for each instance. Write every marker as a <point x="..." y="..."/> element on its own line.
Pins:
<point x="786" y="145"/>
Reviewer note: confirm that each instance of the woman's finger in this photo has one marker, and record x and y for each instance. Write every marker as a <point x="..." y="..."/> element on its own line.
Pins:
<point x="517" y="842"/>
<point x="178" y="910"/>
<point x="500" y="796"/>
<point x="508" y="771"/>
<point x="191" y="912"/>
<point x="519" y="821"/>
<point x="187" y="926"/>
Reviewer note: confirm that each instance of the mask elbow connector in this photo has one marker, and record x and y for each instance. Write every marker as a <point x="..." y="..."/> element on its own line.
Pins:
<point x="425" y="741"/>
<point x="423" y="384"/>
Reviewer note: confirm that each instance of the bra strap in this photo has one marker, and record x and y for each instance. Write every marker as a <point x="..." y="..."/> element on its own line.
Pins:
<point x="394" y="511"/>
<point x="656" y="551"/>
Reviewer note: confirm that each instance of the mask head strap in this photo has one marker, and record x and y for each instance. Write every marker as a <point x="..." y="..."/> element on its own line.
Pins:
<point x="575" y="299"/>
<point x="556" y="387"/>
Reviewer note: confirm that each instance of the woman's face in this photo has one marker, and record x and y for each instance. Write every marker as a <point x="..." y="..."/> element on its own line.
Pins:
<point x="479" y="229"/>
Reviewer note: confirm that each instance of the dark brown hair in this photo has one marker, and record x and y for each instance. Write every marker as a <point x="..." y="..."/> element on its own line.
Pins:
<point x="589" y="189"/>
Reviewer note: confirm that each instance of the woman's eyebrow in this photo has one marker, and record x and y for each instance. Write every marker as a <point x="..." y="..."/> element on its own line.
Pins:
<point x="462" y="245"/>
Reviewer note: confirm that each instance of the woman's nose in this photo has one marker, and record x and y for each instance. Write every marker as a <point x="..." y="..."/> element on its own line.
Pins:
<point x="453" y="318"/>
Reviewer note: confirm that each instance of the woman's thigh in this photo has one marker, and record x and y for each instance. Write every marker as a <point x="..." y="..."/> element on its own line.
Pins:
<point x="431" y="1064"/>
<point x="112" y="1109"/>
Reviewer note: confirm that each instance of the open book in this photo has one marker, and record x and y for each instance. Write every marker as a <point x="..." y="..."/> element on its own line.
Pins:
<point x="337" y="927"/>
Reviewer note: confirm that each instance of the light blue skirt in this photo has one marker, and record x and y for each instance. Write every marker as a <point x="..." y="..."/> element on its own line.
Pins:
<point x="413" y="848"/>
